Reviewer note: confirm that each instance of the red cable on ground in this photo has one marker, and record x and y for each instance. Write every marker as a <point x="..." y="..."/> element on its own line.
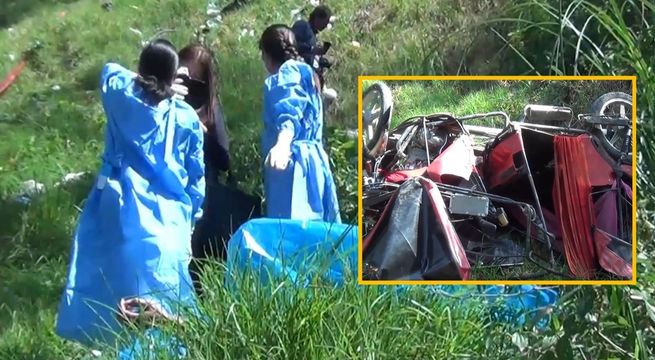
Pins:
<point x="12" y="76"/>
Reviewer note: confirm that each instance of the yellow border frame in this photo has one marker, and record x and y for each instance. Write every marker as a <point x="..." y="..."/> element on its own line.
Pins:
<point x="633" y="79"/>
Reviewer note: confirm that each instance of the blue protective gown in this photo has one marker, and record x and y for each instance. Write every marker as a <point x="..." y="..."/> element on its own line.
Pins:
<point x="134" y="234"/>
<point x="306" y="189"/>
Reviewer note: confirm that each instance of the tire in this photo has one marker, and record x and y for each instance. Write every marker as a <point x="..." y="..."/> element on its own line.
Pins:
<point x="597" y="108"/>
<point x="371" y="147"/>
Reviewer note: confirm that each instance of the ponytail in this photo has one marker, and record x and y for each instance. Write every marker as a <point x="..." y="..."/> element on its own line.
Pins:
<point x="155" y="90"/>
<point x="290" y="51"/>
<point x="279" y="43"/>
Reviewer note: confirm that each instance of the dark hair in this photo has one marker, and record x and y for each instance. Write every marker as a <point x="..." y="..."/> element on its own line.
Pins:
<point x="320" y="12"/>
<point x="157" y="68"/>
<point x="279" y="43"/>
<point x="203" y="82"/>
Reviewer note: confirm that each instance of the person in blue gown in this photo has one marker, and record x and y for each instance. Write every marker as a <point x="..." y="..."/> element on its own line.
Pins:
<point x="133" y="239"/>
<point x="298" y="182"/>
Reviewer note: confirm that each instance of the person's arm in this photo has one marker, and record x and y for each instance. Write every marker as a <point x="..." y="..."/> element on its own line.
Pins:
<point x="289" y="100"/>
<point x="113" y="80"/>
<point x="195" y="167"/>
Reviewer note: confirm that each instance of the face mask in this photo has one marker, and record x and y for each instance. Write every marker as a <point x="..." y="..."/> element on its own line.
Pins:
<point x="198" y="92"/>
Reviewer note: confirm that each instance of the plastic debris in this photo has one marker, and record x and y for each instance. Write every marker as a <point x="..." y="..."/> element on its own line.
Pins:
<point x="106" y="5"/>
<point x="296" y="251"/>
<point x="71" y="178"/>
<point x="214" y="17"/>
<point x="32" y="187"/>
<point x="28" y="190"/>
<point x="136" y="31"/>
<point x="150" y="343"/>
<point x="293" y="250"/>
<point x="246" y="32"/>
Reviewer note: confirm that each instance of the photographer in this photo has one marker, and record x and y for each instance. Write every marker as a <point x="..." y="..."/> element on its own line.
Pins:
<point x="306" y="31"/>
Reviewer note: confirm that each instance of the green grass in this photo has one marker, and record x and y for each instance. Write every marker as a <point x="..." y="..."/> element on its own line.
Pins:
<point x="414" y="98"/>
<point x="46" y="133"/>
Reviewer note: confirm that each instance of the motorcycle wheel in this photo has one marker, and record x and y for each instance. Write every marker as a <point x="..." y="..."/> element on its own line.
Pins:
<point x="609" y="136"/>
<point x="377" y="108"/>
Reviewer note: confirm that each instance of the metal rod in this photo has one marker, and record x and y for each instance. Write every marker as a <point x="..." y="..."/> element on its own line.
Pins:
<point x="425" y="136"/>
<point x="538" y="207"/>
<point x="594" y="228"/>
<point x="539" y="126"/>
<point x="486" y="115"/>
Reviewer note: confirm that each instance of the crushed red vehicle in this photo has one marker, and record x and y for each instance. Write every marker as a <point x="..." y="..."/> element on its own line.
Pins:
<point x="443" y="198"/>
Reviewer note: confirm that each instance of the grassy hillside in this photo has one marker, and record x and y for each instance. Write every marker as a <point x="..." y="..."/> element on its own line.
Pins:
<point x="412" y="98"/>
<point x="51" y="124"/>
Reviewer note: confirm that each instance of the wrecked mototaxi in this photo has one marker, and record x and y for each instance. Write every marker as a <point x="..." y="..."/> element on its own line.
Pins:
<point x="444" y="199"/>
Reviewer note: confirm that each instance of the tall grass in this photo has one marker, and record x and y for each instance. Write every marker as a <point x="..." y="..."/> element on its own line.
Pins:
<point x="604" y="38"/>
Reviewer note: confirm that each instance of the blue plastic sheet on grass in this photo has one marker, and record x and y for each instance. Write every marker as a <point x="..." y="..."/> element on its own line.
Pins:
<point x="291" y="249"/>
<point x="518" y="305"/>
<point x="142" y="348"/>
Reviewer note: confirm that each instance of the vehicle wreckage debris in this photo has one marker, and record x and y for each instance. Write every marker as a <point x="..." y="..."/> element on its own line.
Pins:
<point x="443" y="199"/>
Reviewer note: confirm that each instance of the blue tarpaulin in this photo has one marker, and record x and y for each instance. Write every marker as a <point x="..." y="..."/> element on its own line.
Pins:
<point x="142" y="347"/>
<point x="291" y="249"/>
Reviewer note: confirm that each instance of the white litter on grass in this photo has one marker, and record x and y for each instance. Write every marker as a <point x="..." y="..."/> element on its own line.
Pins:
<point x="96" y="353"/>
<point x="214" y="17"/>
<point x="29" y="189"/>
<point x="56" y="88"/>
<point x="212" y="23"/>
<point x="11" y="30"/>
<point x="356" y="44"/>
<point x="136" y="31"/>
<point x="213" y="12"/>
<point x="247" y="32"/>
<point x="314" y="2"/>
<point x="12" y="57"/>
<point x="70" y="178"/>
<point x="330" y="94"/>
<point x="32" y="187"/>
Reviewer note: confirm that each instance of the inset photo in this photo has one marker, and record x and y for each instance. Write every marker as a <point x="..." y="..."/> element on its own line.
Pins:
<point x="481" y="180"/>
